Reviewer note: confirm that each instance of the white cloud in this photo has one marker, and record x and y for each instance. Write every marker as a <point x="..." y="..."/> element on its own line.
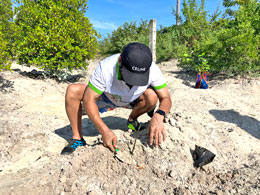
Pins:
<point x="103" y="25"/>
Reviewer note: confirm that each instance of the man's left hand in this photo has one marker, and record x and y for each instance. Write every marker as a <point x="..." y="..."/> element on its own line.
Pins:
<point x="156" y="129"/>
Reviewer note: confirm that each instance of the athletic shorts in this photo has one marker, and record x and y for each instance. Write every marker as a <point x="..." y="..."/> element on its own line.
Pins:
<point x="104" y="104"/>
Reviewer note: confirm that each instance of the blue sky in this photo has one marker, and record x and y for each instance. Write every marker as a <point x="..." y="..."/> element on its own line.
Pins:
<point x="107" y="15"/>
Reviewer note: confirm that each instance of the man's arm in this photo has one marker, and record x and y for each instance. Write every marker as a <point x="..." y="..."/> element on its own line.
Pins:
<point x="156" y="127"/>
<point x="89" y="102"/>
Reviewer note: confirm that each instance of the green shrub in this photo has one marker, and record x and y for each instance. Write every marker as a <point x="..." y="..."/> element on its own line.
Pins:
<point x="127" y="33"/>
<point x="168" y="45"/>
<point x="236" y="47"/>
<point x="198" y="62"/>
<point x="5" y="62"/>
<point x="194" y="33"/>
<point x="54" y="35"/>
<point x="230" y="45"/>
<point x="165" y="46"/>
<point x="6" y="32"/>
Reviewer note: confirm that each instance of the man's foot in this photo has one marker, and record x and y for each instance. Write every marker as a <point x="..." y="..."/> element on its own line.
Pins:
<point x="134" y="125"/>
<point x="72" y="146"/>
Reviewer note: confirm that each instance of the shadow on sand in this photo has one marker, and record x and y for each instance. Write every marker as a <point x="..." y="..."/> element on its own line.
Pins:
<point x="113" y="123"/>
<point x="247" y="123"/>
<point x="6" y="85"/>
<point x="88" y="128"/>
<point x="39" y="74"/>
<point x="189" y="77"/>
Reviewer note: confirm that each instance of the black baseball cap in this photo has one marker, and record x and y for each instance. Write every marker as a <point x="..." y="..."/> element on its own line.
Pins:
<point x="136" y="63"/>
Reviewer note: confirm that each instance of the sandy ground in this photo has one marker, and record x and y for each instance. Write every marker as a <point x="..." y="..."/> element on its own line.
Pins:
<point x="224" y="119"/>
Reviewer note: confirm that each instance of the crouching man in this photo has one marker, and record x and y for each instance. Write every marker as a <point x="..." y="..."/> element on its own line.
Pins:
<point x="130" y="80"/>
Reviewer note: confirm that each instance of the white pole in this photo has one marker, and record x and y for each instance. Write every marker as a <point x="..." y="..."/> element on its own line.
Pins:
<point x="152" y="38"/>
<point x="178" y="13"/>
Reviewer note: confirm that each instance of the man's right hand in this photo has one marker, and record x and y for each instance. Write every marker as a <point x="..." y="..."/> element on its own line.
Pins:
<point x="89" y="101"/>
<point x="109" y="140"/>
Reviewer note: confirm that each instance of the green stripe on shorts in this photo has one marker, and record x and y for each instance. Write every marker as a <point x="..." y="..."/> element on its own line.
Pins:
<point x="160" y="87"/>
<point x="94" y="88"/>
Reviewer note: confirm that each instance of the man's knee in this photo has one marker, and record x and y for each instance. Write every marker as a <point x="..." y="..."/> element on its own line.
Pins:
<point x="75" y="91"/>
<point x="150" y="97"/>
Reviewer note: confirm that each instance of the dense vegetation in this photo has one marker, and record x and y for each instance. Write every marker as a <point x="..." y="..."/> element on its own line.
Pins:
<point x="6" y="25"/>
<point x="55" y="35"/>
<point x="127" y="33"/>
<point x="227" y="42"/>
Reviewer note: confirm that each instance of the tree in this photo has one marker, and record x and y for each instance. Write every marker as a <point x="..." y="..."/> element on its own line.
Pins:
<point x="237" y="48"/>
<point x="195" y="27"/>
<point x="54" y="35"/>
<point x="6" y="16"/>
<point x="231" y="4"/>
<point x="127" y="33"/>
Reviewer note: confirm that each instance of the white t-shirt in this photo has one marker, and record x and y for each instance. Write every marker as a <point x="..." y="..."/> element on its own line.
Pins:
<point x="107" y="79"/>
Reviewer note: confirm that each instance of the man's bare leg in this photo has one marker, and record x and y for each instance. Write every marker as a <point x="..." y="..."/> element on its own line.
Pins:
<point x="146" y="103"/>
<point x="73" y="98"/>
